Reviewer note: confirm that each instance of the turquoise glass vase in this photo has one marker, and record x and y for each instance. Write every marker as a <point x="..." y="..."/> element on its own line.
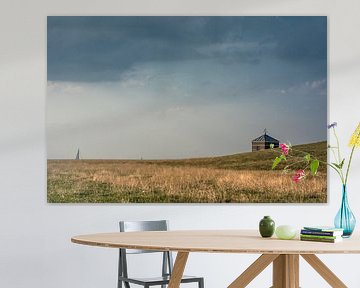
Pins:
<point x="345" y="219"/>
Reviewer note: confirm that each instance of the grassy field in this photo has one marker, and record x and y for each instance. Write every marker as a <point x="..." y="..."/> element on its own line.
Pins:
<point x="239" y="178"/>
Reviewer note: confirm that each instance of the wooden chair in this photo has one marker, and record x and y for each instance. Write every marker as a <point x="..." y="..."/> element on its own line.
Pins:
<point x="167" y="262"/>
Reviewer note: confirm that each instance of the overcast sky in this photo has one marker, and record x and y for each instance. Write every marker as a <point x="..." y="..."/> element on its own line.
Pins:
<point x="179" y="87"/>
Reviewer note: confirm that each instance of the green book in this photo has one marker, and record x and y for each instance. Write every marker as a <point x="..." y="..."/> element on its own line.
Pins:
<point x="325" y="240"/>
<point x="319" y="236"/>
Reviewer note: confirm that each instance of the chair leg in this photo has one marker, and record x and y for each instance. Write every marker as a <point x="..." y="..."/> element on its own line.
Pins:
<point x="201" y="283"/>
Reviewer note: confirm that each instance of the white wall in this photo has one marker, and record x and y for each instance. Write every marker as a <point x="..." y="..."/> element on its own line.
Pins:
<point x="35" y="248"/>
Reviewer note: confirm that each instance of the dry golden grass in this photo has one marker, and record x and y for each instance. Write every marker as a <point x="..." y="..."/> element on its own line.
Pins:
<point x="115" y="181"/>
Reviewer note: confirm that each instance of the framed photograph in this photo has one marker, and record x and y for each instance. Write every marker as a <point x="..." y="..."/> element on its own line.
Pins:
<point x="190" y="109"/>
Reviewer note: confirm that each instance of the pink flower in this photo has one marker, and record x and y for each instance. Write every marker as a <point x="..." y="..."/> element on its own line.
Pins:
<point x="300" y="174"/>
<point x="284" y="148"/>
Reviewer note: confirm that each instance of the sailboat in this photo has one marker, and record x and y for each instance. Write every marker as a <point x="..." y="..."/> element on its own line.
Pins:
<point x="77" y="157"/>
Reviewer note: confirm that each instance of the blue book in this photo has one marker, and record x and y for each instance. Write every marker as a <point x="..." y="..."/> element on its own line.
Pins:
<point x="322" y="231"/>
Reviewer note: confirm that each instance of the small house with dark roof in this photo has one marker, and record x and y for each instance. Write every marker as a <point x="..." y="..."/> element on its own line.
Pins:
<point x="263" y="142"/>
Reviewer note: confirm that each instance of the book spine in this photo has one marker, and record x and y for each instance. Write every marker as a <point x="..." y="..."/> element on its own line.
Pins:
<point x="319" y="236"/>
<point x="318" y="239"/>
<point x="320" y="233"/>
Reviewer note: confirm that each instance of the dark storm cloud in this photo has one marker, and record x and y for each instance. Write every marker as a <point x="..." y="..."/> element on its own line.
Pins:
<point x="84" y="48"/>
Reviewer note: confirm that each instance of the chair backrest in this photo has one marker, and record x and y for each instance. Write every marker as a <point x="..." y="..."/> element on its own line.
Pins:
<point x="134" y="226"/>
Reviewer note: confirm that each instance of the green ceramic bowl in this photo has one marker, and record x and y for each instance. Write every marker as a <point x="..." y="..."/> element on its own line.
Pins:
<point x="285" y="232"/>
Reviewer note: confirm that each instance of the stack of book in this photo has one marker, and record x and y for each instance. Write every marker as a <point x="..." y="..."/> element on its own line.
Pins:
<point x="321" y="234"/>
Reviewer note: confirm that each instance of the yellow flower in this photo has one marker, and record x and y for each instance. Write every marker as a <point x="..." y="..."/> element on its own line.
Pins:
<point x="355" y="138"/>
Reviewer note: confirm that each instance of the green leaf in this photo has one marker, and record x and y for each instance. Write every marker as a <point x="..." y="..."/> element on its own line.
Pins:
<point x="342" y="163"/>
<point x="314" y="167"/>
<point x="276" y="162"/>
<point x="334" y="167"/>
<point x="282" y="157"/>
<point x="308" y="158"/>
<point x="271" y="146"/>
<point x="339" y="166"/>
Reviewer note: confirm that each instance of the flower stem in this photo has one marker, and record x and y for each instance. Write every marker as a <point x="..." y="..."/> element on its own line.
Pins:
<point x="297" y="162"/>
<point x="339" y="160"/>
<point x="338" y="146"/>
<point x="333" y="152"/>
<point x="348" y="167"/>
<point x="339" y="171"/>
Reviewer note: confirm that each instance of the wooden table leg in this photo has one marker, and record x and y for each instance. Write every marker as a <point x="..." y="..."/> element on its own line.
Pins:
<point x="178" y="270"/>
<point x="286" y="271"/>
<point x="324" y="271"/>
<point x="253" y="270"/>
<point x="293" y="261"/>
